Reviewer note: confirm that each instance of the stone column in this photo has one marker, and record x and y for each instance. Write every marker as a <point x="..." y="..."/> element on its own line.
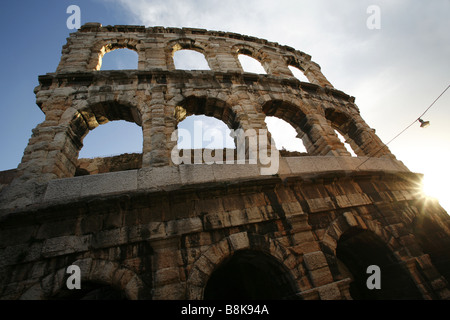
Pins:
<point x="225" y="61"/>
<point x="276" y="65"/>
<point x="77" y="54"/>
<point x="315" y="75"/>
<point x="337" y="147"/>
<point x="154" y="55"/>
<point x="51" y="153"/>
<point x="167" y="266"/>
<point x="320" y="139"/>
<point x="158" y="123"/>
<point x="365" y="139"/>
<point x="251" y="119"/>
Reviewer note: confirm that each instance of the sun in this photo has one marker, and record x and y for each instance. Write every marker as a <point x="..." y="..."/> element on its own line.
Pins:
<point x="436" y="187"/>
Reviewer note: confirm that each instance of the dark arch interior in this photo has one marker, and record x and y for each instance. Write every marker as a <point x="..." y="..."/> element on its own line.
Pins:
<point x="209" y="107"/>
<point x="91" y="291"/>
<point x="435" y="242"/>
<point x="98" y="114"/>
<point x="101" y="113"/>
<point x="287" y="112"/>
<point x="359" y="249"/>
<point x="292" y="115"/>
<point x="344" y="125"/>
<point x="250" y="275"/>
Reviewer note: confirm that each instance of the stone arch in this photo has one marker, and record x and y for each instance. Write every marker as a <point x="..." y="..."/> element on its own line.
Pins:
<point x="190" y="60"/>
<point x="307" y="124"/>
<point x="348" y="127"/>
<point x="86" y="119"/>
<point x="295" y="114"/>
<point x="205" y="105"/>
<point x="99" y="49"/>
<point x="216" y="254"/>
<point x="357" y="250"/>
<point x="356" y="132"/>
<point x="300" y="65"/>
<point x="248" y="50"/>
<point x="92" y="271"/>
<point x="344" y="223"/>
<point x="185" y="44"/>
<point x="384" y="247"/>
<point x="432" y="236"/>
<point x="295" y="62"/>
<point x="196" y="104"/>
<point x="250" y="274"/>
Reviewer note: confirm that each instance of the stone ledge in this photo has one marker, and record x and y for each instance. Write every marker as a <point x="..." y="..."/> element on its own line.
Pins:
<point x="159" y="178"/>
<point x="98" y="29"/>
<point x="72" y="79"/>
<point x="196" y="176"/>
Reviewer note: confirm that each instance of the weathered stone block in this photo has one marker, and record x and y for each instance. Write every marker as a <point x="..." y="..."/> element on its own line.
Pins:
<point x="196" y="173"/>
<point x="63" y="188"/>
<point x="158" y="177"/>
<point x="321" y="276"/>
<point x="112" y="182"/>
<point x="350" y="219"/>
<point x="315" y="260"/>
<point x="320" y="204"/>
<point x="330" y="292"/>
<point x="184" y="226"/>
<point x="301" y="164"/>
<point x="166" y="276"/>
<point x="239" y="241"/>
<point x="65" y="245"/>
<point x="234" y="171"/>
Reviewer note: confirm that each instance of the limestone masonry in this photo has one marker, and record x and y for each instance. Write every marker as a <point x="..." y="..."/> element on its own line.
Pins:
<point x="139" y="226"/>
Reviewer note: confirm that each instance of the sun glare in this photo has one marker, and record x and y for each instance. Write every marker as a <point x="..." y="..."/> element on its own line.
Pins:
<point x="435" y="187"/>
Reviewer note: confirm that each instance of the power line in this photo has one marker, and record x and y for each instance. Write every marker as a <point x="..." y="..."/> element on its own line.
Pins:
<point x="385" y="145"/>
<point x="433" y="102"/>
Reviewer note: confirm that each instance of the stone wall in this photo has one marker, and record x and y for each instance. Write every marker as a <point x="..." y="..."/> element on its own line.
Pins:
<point x="165" y="243"/>
<point x="148" y="228"/>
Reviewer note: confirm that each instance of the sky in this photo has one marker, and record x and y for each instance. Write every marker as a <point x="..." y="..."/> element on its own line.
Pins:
<point x="395" y="70"/>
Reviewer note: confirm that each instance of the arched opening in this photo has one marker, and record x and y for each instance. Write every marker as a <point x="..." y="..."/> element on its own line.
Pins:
<point x="298" y="74"/>
<point x="116" y="138"/>
<point x="112" y="138"/>
<point x="250" y="64"/>
<point x="250" y="275"/>
<point x="349" y="132"/>
<point x="296" y="118"/>
<point x="356" y="251"/>
<point x="284" y="135"/>
<point x="435" y="242"/>
<point x="347" y="146"/>
<point x="186" y="59"/>
<point x="114" y="146"/>
<point x="204" y="132"/>
<point x="120" y="59"/>
<point x="90" y="291"/>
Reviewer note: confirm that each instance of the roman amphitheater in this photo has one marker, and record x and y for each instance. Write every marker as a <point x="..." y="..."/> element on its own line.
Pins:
<point x="140" y="226"/>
